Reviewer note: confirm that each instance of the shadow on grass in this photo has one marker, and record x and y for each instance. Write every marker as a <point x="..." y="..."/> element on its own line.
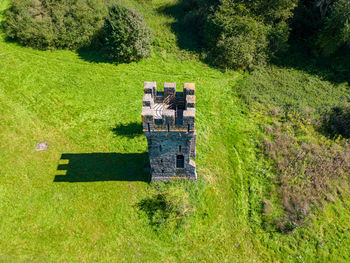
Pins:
<point x="93" y="167"/>
<point x="185" y="25"/>
<point x="336" y="122"/>
<point x="129" y="130"/>
<point x="95" y="55"/>
<point x="335" y="69"/>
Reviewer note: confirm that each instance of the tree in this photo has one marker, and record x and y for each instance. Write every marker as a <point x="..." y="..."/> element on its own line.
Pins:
<point x="244" y="33"/>
<point x="127" y="37"/>
<point x="241" y="42"/>
<point x="335" y="32"/>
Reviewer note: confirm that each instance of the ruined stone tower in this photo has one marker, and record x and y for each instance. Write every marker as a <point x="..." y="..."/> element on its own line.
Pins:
<point x="168" y="120"/>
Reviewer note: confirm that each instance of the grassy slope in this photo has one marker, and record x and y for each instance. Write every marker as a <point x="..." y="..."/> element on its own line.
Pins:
<point x="74" y="105"/>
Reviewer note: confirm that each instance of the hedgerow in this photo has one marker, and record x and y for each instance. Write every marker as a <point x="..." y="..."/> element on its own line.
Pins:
<point x="50" y="24"/>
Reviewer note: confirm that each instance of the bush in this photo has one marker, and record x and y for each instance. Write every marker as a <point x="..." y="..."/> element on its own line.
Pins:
<point x="278" y="38"/>
<point x="242" y="34"/>
<point x="127" y="37"/>
<point x="335" y="32"/>
<point x="337" y="121"/>
<point x="241" y="43"/>
<point x="49" y="24"/>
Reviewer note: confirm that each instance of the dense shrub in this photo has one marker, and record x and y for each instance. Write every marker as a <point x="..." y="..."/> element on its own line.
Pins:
<point x="337" y="121"/>
<point x="241" y="42"/>
<point x="242" y="33"/>
<point x="335" y="32"/>
<point x="322" y="26"/>
<point x="127" y="37"/>
<point x="48" y="24"/>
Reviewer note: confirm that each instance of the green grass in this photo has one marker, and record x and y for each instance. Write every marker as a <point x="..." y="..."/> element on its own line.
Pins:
<point x="78" y="107"/>
<point x="293" y="90"/>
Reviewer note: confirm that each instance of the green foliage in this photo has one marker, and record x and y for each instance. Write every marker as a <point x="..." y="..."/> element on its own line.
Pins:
<point x="322" y="27"/>
<point x="243" y="34"/>
<point x="127" y="37"/>
<point x="337" y="121"/>
<point x="241" y="41"/>
<point x="238" y="34"/>
<point x="276" y="87"/>
<point x="278" y="38"/>
<point x="267" y="12"/>
<point x="48" y="24"/>
<point x="335" y="32"/>
<point x="305" y="23"/>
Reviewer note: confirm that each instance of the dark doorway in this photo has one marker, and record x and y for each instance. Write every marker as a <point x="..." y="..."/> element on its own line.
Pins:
<point x="180" y="161"/>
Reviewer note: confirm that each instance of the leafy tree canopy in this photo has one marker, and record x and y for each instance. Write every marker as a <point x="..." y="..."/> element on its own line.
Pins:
<point x="48" y="24"/>
<point x="127" y="36"/>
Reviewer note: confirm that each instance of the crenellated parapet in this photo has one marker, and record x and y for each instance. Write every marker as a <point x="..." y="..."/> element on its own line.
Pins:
<point x="168" y="110"/>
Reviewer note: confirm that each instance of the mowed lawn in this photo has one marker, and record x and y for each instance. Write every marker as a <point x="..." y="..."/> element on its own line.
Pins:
<point x="78" y="200"/>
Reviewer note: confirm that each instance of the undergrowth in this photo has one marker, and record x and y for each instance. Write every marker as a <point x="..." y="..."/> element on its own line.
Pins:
<point x="310" y="169"/>
<point x="303" y="119"/>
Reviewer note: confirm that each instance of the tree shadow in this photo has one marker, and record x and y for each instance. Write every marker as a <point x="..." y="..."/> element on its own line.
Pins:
<point x="129" y="130"/>
<point x="303" y="54"/>
<point x="185" y="26"/>
<point x="98" y="54"/>
<point x="94" y="55"/>
<point x="336" y="122"/>
<point x="335" y="69"/>
<point x="156" y="208"/>
<point x="93" y="167"/>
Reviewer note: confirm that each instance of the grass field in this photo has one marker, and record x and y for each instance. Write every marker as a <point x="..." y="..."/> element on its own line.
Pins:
<point x="78" y="200"/>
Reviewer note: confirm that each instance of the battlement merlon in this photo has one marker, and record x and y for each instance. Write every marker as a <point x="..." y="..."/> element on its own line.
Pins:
<point x="150" y="87"/>
<point x="148" y="100"/>
<point x="169" y="89"/>
<point x="168" y="120"/>
<point x="189" y="116"/>
<point x="190" y="101"/>
<point x="160" y="114"/>
<point x="189" y="89"/>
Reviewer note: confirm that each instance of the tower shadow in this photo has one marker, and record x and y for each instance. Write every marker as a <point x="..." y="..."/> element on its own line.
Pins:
<point x="93" y="167"/>
<point x="129" y="130"/>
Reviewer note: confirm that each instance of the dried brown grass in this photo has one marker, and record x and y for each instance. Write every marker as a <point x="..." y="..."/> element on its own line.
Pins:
<point x="309" y="173"/>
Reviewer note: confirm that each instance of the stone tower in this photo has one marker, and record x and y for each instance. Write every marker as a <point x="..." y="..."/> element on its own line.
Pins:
<point x="168" y="120"/>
